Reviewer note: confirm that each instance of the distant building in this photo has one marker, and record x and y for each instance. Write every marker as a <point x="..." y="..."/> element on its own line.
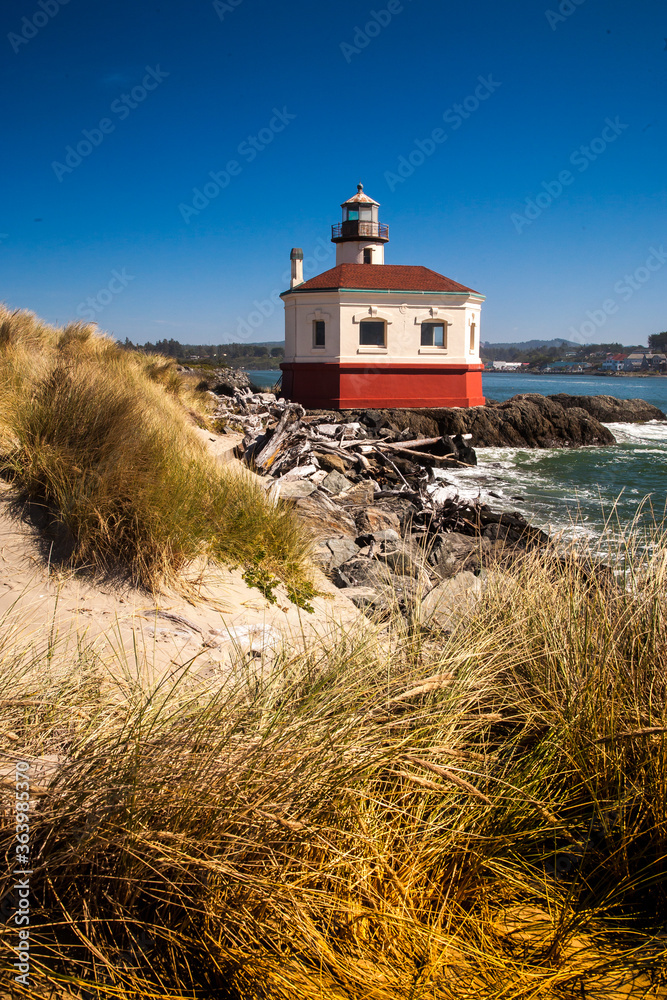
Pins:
<point x="635" y="362"/>
<point x="613" y="364"/>
<point x="507" y="366"/>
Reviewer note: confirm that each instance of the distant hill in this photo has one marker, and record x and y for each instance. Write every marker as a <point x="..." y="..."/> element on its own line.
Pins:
<point x="531" y="345"/>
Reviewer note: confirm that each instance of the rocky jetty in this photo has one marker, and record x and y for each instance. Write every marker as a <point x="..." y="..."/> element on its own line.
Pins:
<point x="361" y="488"/>
<point x="610" y="410"/>
<point x="525" y="421"/>
<point x="221" y="381"/>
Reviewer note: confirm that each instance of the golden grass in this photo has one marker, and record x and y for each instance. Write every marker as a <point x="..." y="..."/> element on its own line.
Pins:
<point x="99" y="445"/>
<point x="394" y="814"/>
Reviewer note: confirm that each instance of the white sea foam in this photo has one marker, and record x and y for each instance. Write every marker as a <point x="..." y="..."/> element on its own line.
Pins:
<point x="654" y="430"/>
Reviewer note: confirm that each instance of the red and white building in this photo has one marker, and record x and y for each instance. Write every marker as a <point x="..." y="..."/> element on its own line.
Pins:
<point x="370" y="334"/>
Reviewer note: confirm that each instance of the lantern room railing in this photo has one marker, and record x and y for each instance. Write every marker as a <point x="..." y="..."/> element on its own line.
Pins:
<point x="355" y="229"/>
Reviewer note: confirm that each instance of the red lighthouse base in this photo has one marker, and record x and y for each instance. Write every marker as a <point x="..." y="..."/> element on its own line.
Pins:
<point x="331" y="385"/>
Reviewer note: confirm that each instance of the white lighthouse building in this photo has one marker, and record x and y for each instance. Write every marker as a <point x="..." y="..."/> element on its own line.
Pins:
<point x="370" y="334"/>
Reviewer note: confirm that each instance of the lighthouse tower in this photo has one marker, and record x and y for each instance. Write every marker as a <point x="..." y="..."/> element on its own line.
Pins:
<point x="370" y="334"/>
<point x="360" y="237"/>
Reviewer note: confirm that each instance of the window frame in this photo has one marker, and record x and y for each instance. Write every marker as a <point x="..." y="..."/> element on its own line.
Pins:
<point x="433" y="323"/>
<point x="373" y="322"/>
<point x="473" y="336"/>
<point x="368" y="255"/>
<point x="323" y="331"/>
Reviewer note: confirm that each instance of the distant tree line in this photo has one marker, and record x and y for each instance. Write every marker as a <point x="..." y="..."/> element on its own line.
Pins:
<point x="658" y="342"/>
<point x="235" y="355"/>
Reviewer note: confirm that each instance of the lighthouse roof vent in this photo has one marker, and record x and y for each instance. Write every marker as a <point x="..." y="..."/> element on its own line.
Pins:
<point x="360" y="197"/>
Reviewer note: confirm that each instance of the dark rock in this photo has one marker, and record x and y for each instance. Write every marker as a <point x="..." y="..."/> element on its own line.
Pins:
<point x="418" y="422"/>
<point x="525" y="421"/>
<point x="452" y="553"/>
<point x="511" y="527"/>
<point x="403" y="561"/>
<point x="610" y="410"/>
<point x="362" y="572"/>
<point x="224" y="381"/>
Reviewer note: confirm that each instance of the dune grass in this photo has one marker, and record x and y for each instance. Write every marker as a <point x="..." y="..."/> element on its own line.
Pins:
<point x="99" y="445"/>
<point x="395" y="814"/>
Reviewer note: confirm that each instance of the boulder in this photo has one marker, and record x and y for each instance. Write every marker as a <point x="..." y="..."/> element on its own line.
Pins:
<point x="362" y="572"/>
<point x="452" y="553"/>
<point x="404" y="561"/>
<point x="610" y="410"/>
<point x="332" y="463"/>
<point x="324" y="519"/>
<point x="374" y="519"/>
<point x="292" y="489"/>
<point x="333" y="552"/>
<point x="447" y="603"/>
<point x="418" y="422"/>
<point x="368" y="598"/>
<point x="525" y="421"/>
<point x="335" y="483"/>
<point x="361" y="494"/>
<point x="225" y="381"/>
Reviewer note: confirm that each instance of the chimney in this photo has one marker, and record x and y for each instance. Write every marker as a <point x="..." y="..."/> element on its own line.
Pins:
<point x="296" y="260"/>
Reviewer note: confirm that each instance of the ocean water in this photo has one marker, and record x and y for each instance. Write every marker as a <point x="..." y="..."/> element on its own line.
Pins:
<point x="575" y="490"/>
<point x="264" y="379"/>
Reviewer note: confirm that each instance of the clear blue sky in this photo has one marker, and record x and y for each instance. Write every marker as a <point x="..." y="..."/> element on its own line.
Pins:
<point x="220" y="71"/>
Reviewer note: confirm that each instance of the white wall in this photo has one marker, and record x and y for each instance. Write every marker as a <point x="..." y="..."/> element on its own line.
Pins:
<point x="352" y="252"/>
<point x="403" y="313"/>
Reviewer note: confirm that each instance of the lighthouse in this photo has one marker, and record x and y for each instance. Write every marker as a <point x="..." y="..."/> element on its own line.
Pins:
<point x="370" y="334"/>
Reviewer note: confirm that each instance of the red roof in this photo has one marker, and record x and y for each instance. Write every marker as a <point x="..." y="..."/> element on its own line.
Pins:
<point x="385" y="277"/>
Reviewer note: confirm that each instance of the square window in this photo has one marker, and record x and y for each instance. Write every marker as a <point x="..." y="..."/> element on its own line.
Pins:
<point x="353" y="215"/>
<point x="319" y="333"/>
<point x="434" y="335"/>
<point x="371" y="334"/>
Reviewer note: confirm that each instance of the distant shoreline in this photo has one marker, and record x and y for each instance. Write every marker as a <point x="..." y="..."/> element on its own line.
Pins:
<point x="500" y="371"/>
